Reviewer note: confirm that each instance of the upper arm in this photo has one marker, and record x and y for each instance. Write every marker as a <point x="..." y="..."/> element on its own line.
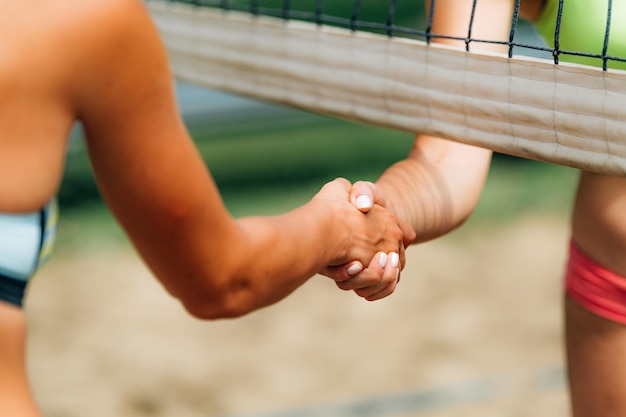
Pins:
<point x="145" y="163"/>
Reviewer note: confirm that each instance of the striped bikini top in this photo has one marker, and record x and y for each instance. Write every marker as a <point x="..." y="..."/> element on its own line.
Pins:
<point x="26" y="241"/>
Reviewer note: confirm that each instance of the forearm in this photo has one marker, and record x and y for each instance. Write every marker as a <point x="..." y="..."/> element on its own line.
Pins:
<point x="240" y="265"/>
<point x="278" y="254"/>
<point x="436" y="188"/>
<point x="220" y="267"/>
<point x="281" y="253"/>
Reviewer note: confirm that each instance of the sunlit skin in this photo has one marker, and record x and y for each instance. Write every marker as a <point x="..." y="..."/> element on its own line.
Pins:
<point x="102" y="62"/>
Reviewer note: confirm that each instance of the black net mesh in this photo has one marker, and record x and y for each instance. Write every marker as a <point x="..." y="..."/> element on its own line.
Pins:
<point x="411" y="19"/>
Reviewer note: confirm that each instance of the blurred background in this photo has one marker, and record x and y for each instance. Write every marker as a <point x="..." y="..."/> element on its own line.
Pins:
<point x="474" y="328"/>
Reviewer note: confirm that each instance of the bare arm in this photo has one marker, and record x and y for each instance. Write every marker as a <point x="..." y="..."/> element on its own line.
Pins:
<point x="158" y="187"/>
<point x="438" y="186"/>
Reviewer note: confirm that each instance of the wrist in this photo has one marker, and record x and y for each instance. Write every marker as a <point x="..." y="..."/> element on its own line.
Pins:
<point x="322" y="239"/>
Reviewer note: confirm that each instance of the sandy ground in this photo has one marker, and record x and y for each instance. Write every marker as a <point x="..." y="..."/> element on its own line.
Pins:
<point x="473" y="330"/>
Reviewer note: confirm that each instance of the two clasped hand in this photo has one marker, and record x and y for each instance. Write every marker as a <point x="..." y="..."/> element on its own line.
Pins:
<point x="378" y="278"/>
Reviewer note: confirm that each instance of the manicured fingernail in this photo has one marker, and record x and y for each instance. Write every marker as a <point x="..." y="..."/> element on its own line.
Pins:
<point x="382" y="260"/>
<point x="394" y="258"/>
<point x="363" y="201"/>
<point x="354" y="269"/>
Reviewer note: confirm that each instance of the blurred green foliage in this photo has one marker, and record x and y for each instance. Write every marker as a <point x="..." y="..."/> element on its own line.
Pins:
<point x="266" y="152"/>
<point x="519" y="187"/>
<point x="318" y="150"/>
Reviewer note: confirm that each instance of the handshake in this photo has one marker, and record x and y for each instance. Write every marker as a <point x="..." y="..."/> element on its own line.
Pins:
<point x="371" y="239"/>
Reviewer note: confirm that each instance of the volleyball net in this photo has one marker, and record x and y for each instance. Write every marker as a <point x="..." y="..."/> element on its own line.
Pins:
<point x="378" y="62"/>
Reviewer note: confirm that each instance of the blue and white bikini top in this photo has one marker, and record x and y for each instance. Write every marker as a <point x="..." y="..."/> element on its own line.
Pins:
<point x="26" y="241"/>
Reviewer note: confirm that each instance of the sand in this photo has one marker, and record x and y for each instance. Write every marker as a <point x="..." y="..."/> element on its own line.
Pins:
<point x="474" y="329"/>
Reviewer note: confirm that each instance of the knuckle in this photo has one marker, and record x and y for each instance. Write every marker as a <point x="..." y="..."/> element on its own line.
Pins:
<point x="342" y="181"/>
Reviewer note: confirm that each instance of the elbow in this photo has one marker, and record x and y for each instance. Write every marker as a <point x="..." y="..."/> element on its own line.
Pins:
<point x="215" y="311"/>
<point x="229" y="301"/>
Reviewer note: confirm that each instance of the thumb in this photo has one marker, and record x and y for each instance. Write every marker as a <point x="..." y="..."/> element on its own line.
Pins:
<point x="364" y="194"/>
<point x="337" y="188"/>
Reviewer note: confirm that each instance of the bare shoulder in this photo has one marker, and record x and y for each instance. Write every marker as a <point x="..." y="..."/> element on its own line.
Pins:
<point x="114" y="20"/>
<point x="114" y="31"/>
<point x="71" y="20"/>
<point x="63" y="42"/>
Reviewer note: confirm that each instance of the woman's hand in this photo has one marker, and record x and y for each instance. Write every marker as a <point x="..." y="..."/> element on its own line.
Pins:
<point x="382" y="273"/>
<point x="358" y="234"/>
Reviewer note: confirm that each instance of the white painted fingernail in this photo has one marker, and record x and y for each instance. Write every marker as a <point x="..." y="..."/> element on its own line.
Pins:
<point x="382" y="260"/>
<point x="363" y="201"/>
<point x="354" y="269"/>
<point x="394" y="258"/>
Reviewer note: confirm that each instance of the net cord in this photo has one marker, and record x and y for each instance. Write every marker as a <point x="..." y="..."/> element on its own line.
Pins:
<point x="607" y="30"/>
